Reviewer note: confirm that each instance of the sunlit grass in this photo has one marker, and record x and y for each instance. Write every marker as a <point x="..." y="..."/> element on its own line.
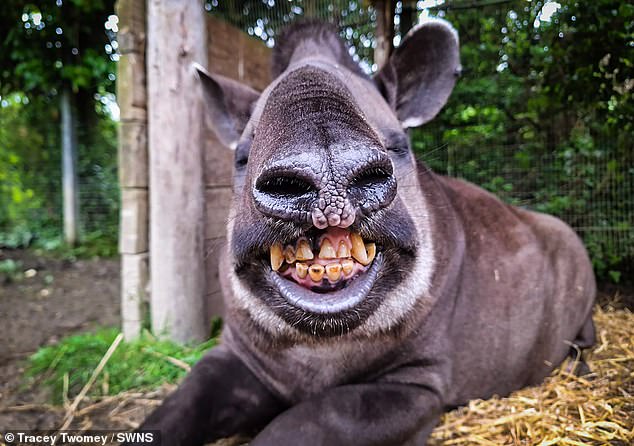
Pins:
<point x="139" y="365"/>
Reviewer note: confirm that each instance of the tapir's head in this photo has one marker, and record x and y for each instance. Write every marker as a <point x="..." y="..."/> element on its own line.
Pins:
<point x="328" y="231"/>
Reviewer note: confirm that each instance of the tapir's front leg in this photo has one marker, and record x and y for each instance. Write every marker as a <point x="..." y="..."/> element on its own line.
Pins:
<point x="219" y="398"/>
<point x="362" y="415"/>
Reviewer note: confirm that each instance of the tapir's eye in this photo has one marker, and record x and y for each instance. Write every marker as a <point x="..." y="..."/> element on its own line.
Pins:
<point x="242" y="154"/>
<point x="241" y="161"/>
<point x="398" y="149"/>
<point x="397" y="142"/>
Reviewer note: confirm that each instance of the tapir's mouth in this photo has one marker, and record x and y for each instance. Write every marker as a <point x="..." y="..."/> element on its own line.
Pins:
<point x="324" y="282"/>
<point x="330" y="272"/>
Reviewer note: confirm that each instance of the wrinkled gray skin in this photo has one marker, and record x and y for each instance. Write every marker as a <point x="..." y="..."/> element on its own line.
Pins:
<point x="472" y="297"/>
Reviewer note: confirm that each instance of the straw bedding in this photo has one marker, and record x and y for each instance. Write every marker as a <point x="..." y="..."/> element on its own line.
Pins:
<point x="597" y="409"/>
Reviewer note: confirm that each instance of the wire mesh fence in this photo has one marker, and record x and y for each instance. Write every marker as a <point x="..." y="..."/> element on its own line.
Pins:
<point x="31" y="210"/>
<point x="592" y="192"/>
<point x="98" y="211"/>
<point x="263" y="20"/>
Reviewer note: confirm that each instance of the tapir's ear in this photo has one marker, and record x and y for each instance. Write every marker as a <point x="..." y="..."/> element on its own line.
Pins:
<point x="228" y="105"/>
<point x="419" y="76"/>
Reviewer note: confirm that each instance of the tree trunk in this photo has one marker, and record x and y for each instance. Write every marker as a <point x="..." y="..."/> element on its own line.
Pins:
<point x="384" y="31"/>
<point x="70" y="189"/>
<point x="176" y="39"/>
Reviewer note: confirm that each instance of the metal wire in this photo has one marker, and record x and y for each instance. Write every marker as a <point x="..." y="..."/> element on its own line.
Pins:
<point x="594" y="193"/>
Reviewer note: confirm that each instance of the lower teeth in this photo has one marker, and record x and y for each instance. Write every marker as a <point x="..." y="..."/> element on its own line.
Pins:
<point x="333" y="272"/>
<point x="316" y="272"/>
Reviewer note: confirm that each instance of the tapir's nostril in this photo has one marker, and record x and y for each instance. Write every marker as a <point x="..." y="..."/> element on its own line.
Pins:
<point x="283" y="186"/>
<point x="371" y="176"/>
<point x="284" y="195"/>
<point x="373" y="187"/>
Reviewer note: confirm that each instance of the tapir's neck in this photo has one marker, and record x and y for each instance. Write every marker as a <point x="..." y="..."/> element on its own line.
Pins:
<point x="447" y="231"/>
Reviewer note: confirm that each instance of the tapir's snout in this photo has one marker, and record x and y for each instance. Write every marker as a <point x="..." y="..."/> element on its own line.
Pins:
<point x="321" y="162"/>
<point x="328" y="188"/>
<point x="330" y="268"/>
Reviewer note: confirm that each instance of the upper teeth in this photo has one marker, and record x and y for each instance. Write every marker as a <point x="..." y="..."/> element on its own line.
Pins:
<point x="343" y="251"/>
<point x="289" y="254"/>
<point x="327" y="251"/>
<point x="358" y="249"/>
<point x="276" y="256"/>
<point x="363" y="253"/>
<point x="303" y="251"/>
<point x="370" y="249"/>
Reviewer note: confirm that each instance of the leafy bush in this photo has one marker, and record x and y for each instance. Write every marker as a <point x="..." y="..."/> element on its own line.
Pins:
<point x="10" y="270"/>
<point x="542" y="117"/>
<point x="30" y="181"/>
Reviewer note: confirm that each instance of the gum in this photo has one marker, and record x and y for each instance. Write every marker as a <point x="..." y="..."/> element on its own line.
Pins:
<point x="335" y="235"/>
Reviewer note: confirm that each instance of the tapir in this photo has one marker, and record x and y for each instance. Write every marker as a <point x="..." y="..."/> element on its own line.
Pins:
<point x="364" y="293"/>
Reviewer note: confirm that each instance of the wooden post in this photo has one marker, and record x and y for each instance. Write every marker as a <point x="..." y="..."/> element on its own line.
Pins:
<point x="70" y="189"/>
<point x="384" y="31"/>
<point x="133" y="166"/>
<point x="176" y="39"/>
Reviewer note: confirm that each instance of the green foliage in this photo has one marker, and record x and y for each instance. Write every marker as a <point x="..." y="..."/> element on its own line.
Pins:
<point x="16" y="199"/>
<point x="10" y="270"/>
<point x="30" y="182"/>
<point x="48" y="47"/>
<point x="140" y="365"/>
<point x="93" y="244"/>
<point x="542" y="114"/>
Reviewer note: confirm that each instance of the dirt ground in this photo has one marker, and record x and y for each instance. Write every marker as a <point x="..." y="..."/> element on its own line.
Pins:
<point x="59" y="298"/>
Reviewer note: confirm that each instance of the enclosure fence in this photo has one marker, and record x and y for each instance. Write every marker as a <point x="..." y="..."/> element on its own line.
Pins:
<point x="31" y="210"/>
<point x="593" y="191"/>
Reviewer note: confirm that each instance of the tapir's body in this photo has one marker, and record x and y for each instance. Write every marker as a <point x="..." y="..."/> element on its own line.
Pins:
<point x="426" y="291"/>
<point x="492" y="331"/>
